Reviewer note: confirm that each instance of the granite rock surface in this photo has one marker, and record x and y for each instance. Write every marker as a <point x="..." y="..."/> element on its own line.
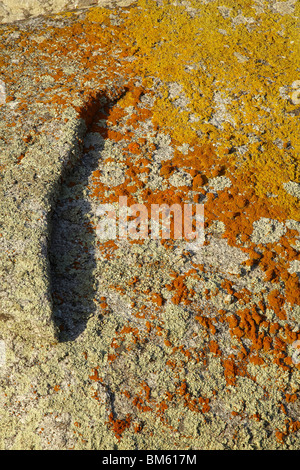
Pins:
<point x="136" y="341"/>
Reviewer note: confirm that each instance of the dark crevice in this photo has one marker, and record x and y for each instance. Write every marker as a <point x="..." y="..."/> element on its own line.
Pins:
<point x="72" y="241"/>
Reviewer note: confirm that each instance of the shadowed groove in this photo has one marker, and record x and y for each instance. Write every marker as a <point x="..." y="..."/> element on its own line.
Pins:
<point x="73" y="240"/>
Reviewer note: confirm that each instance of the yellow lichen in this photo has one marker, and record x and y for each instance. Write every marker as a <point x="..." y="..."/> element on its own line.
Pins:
<point x="206" y="53"/>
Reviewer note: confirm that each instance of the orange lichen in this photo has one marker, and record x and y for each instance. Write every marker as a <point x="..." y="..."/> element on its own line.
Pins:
<point x="230" y="370"/>
<point x="214" y="348"/>
<point x="95" y="376"/>
<point x="211" y="155"/>
<point x="119" y="426"/>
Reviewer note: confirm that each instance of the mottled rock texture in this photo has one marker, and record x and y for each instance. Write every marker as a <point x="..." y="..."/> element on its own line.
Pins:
<point x="12" y="10"/>
<point x="145" y="343"/>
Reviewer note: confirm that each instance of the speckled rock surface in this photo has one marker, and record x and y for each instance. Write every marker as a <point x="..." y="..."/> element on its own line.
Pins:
<point x="149" y="343"/>
<point x="11" y="11"/>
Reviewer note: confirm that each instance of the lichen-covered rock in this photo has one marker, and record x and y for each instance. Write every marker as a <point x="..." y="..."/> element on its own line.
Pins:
<point x="28" y="194"/>
<point x="127" y="340"/>
<point x="11" y="11"/>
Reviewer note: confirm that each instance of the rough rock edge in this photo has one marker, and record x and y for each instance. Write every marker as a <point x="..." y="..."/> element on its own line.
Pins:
<point x="30" y="317"/>
<point x="10" y="12"/>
